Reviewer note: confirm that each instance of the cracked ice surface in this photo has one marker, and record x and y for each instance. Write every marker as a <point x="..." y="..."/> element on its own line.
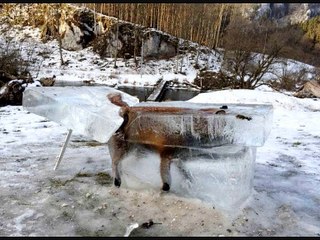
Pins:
<point x="195" y="128"/>
<point x="87" y="111"/>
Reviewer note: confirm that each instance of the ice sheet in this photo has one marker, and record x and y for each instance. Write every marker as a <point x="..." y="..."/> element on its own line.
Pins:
<point x="86" y="110"/>
<point x="246" y="125"/>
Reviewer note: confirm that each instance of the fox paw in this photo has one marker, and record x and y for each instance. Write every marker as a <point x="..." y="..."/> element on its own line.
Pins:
<point x="166" y="187"/>
<point x="117" y="182"/>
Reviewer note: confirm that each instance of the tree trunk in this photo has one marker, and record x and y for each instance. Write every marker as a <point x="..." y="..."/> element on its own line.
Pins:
<point x="177" y="57"/>
<point x="117" y="36"/>
<point x="198" y="53"/>
<point x="142" y="49"/>
<point x="219" y="26"/>
<point x="181" y="63"/>
<point x="94" y="20"/>
<point x="58" y="16"/>
<point x="135" y="45"/>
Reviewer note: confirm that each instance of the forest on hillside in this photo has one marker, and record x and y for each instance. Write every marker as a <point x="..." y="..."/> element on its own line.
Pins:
<point x="222" y="25"/>
<point x="251" y="46"/>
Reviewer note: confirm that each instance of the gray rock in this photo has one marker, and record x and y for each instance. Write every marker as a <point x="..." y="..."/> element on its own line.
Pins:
<point x="283" y="13"/>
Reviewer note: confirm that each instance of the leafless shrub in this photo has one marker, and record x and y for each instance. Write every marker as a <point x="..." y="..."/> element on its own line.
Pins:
<point x="208" y="80"/>
<point x="252" y="51"/>
<point x="17" y="57"/>
<point x="290" y="80"/>
<point x="11" y="62"/>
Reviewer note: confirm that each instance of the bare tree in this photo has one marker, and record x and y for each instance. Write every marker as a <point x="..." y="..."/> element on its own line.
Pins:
<point x="116" y="39"/>
<point x="218" y="28"/>
<point x="57" y="18"/>
<point x="142" y="53"/>
<point x="95" y="19"/>
<point x="244" y="62"/>
<point x="170" y="17"/>
<point x="135" y="45"/>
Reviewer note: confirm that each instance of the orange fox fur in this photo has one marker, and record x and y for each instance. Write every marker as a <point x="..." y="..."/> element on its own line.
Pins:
<point x="118" y="144"/>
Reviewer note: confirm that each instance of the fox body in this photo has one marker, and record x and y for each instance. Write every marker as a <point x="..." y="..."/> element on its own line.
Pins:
<point x="119" y="143"/>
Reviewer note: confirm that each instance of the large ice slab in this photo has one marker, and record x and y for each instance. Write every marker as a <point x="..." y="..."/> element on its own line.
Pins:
<point x="214" y="154"/>
<point x="221" y="176"/>
<point x="195" y="126"/>
<point x="86" y="110"/>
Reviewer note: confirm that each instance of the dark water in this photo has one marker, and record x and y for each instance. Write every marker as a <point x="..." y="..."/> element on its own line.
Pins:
<point x="179" y="94"/>
<point x="72" y="84"/>
<point x="140" y="92"/>
<point x="169" y="95"/>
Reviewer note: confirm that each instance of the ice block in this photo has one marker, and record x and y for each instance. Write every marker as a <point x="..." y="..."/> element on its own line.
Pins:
<point x="195" y="126"/>
<point x="86" y="110"/>
<point x="214" y="152"/>
<point x="221" y="176"/>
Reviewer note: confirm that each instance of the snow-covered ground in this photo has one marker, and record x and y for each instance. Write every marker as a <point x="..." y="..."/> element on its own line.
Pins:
<point x="78" y="199"/>
<point x="85" y="65"/>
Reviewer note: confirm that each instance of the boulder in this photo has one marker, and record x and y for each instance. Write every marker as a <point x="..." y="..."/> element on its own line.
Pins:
<point x="71" y="36"/>
<point x="107" y="44"/>
<point x="77" y="31"/>
<point x="159" y="45"/>
<point x="11" y="93"/>
<point x="310" y="89"/>
<point x="156" y="45"/>
<point x="79" y="28"/>
<point x="47" y="81"/>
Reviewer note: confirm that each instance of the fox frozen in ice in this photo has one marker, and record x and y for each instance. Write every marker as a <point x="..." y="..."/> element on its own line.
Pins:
<point x="119" y="145"/>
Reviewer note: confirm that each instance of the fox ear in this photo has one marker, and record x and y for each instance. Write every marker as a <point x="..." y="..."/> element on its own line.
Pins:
<point x="116" y="99"/>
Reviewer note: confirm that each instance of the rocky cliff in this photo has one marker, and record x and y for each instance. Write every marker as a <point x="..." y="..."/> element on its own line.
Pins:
<point x="283" y="13"/>
<point x="81" y="27"/>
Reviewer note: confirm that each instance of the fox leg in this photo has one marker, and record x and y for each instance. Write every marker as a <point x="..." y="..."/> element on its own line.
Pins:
<point x="165" y="162"/>
<point x="183" y="171"/>
<point x="188" y="178"/>
<point x="117" y="148"/>
<point x="116" y="174"/>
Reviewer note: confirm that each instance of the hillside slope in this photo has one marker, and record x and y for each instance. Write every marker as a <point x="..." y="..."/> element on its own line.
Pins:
<point x="86" y="65"/>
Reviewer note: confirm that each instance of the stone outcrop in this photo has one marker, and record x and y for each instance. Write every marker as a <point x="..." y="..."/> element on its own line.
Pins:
<point x="283" y="13"/>
<point x="106" y="44"/>
<point x="79" y="28"/>
<point x="158" y="45"/>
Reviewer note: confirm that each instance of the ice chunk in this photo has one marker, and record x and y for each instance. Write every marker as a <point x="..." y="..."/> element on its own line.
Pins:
<point x="196" y="126"/>
<point x="213" y="152"/>
<point x="86" y="110"/>
<point x="222" y="176"/>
